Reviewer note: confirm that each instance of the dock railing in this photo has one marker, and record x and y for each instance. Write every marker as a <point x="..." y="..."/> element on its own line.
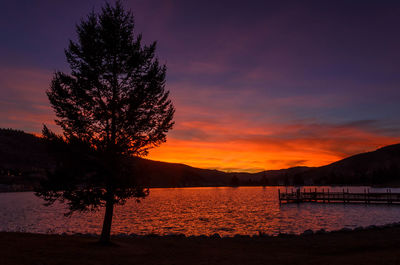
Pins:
<point x="344" y="196"/>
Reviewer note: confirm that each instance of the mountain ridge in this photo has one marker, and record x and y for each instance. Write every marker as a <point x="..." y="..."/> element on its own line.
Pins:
<point x="24" y="161"/>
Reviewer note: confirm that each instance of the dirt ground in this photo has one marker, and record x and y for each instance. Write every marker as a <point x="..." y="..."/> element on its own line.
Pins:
<point x="378" y="246"/>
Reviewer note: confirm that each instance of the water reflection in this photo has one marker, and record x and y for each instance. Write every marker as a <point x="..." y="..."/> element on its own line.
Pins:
<point x="196" y="211"/>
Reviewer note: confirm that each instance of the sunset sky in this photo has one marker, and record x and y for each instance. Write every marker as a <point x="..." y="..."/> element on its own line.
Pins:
<point x="256" y="85"/>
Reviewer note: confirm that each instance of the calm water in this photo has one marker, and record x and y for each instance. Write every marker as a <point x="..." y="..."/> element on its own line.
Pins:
<point x="196" y="211"/>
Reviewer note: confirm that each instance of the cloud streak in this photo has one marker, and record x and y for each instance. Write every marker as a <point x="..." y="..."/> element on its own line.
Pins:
<point x="23" y="102"/>
<point x="239" y="147"/>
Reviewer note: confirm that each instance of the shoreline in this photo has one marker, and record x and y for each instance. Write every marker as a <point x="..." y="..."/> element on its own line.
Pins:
<point x="259" y="235"/>
<point x="10" y="188"/>
<point x="377" y="245"/>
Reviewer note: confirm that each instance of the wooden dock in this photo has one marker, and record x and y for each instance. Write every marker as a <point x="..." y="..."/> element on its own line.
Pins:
<point x="344" y="196"/>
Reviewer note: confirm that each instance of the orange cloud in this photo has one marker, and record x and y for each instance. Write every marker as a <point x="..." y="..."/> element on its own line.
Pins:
<point x="272" y="147"/>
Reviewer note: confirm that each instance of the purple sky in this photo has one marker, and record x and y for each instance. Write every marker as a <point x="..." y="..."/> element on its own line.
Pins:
<point x="304" y="82"/>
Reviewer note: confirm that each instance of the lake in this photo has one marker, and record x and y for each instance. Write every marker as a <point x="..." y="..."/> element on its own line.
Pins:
<point x="197" y="211"/>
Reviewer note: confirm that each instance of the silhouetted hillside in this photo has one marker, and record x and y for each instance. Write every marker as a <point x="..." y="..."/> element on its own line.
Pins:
<point x="162" y="174"/>
<point x="24" y="160"/>
<point x="22" y="150"/>
<point x="378" y="167"/>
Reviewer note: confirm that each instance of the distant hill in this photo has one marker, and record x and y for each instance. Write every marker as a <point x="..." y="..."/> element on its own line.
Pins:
<point x="162" y="174"/>
<point x="24" y="161"/>
<point x="22" y="151"/>
<point x="373" y="168"/>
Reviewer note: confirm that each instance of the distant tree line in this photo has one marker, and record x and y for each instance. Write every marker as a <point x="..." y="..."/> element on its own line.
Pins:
<point x="264" y="181"/>
<point x="10" y="131"/>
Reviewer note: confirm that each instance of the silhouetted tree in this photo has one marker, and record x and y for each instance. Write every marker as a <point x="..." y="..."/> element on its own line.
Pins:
<point x="111" y="106"/>
<point x="264" y="180"/>
<point x="234" y="181"/>
<point x="298" y="180"/>
<point x="286" y="180"/>
<point x="249" y="182"/>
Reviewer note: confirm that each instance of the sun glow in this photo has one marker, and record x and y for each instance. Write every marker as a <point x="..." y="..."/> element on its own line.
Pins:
<point x="254" y="156"/>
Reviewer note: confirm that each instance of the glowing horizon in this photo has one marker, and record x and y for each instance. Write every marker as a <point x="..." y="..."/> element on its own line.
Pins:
<point x="255" y="153"/>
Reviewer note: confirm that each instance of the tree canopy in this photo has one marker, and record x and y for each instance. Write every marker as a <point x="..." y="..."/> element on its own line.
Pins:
<point x="112" y="105"/>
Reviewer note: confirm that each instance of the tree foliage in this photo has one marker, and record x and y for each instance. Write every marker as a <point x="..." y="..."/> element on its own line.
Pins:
<point x="112" y="105"/>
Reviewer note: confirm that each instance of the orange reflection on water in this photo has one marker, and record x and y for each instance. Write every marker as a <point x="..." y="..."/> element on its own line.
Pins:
<point x="196" y="211"/>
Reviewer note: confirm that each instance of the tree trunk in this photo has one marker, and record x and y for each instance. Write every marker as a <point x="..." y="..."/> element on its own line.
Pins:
<point x="105" y="233"/>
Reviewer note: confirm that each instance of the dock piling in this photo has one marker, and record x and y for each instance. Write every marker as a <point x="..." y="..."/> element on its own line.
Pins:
<point x="344" y="196"/>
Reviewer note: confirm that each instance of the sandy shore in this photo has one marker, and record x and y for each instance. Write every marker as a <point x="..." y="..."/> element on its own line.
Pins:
<point x="377" y="246"/>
